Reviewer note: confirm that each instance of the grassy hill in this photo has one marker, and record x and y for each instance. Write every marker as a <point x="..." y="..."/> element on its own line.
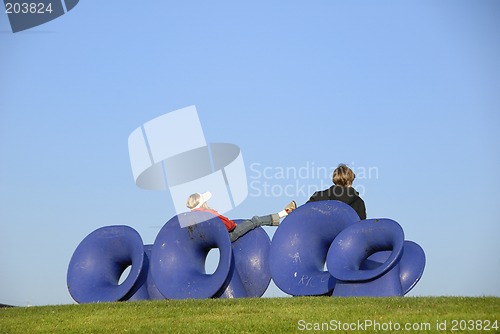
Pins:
<point x="262" y="315"/>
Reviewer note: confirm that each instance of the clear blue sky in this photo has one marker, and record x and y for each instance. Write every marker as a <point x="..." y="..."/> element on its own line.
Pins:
<point x="409" y="89"/>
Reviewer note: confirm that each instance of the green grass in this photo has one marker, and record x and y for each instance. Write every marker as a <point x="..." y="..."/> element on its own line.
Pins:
<point x="260" y="315"/>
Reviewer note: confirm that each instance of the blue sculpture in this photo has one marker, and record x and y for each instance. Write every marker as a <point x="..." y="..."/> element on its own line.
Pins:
<point x="410" y="267"/>
<point x="349" y="252"/>
<point x="373" y="259"/>
<point x="178" y="257"/>
<point x="300" y="245"/>
<point x="364" y="258"/>
<point x="99" y="261"/>
<point x="179" y="271"/>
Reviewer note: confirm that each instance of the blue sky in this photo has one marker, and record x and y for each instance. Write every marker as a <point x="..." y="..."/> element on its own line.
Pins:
<point x="408" y="90"/>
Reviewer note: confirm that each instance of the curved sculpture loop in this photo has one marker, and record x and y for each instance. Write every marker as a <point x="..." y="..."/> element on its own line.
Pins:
<point x="99" y="261"/>
<point x="364" y="258"/>
<point x="352" y="247"/>
<point x="178" y="256"/>
<point x="300" y="245"/>
<point x="348" y="259"/>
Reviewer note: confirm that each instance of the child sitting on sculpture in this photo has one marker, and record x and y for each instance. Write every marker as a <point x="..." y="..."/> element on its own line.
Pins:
<point x="198" y="202"/>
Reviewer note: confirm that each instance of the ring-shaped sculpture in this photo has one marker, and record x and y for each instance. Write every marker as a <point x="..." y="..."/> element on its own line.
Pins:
<point x="356" y="243"/>
<point x="178" y="257"/>
<point x="349" y="261"/>
<point x="410" y="266"/>
<point x="300" y="245"/>
<point x="100" y="260"/>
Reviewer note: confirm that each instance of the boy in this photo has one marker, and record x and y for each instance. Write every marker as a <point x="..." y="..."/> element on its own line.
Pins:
<point x="342" y="190"/>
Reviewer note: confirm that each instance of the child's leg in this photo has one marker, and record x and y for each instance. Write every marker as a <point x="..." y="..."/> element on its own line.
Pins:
<point x="269" y="220"/>
<point x="249" y="224"/>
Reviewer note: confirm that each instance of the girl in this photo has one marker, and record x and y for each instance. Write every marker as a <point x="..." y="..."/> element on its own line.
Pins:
<point x="198" y="202"/>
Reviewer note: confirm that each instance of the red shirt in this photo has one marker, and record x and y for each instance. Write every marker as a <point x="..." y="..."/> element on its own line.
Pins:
<point x="230" y="225"/>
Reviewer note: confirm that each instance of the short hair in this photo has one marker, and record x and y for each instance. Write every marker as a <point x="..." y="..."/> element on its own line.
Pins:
<point x="198" y="200"/>
<point x="343" y="176"/>
<point x="193" y="200"/>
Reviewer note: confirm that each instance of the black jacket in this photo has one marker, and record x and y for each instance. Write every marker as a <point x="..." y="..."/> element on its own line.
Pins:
<point x="347" y="195"/>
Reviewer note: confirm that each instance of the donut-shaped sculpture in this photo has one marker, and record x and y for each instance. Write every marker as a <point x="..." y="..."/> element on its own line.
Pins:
<point x="410" y="267"/>
<point x="99" y="261"/>
<point x="178" y="256"/>
<point x="251" y="263"/>
<point x="356" y="243"/>
<point x="300" y="245"/>
<point x="349" y="259"/>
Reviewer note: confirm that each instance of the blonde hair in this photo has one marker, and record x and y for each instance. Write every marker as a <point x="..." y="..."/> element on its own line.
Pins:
<point x="194" y="200"/>
<point x="343" y="176"/>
